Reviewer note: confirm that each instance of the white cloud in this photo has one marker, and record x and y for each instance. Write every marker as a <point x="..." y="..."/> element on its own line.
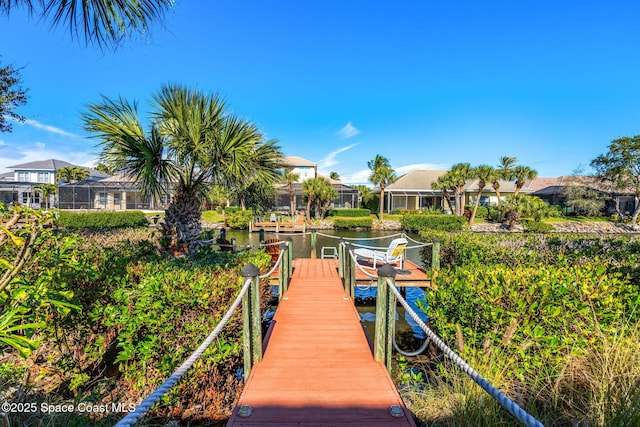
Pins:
<point x="48" y="128"/>
<point x="10" y="156"/>
<point x="330" y="159"/>
<point x="347" y="131"/>
<point x="357" y="177"/>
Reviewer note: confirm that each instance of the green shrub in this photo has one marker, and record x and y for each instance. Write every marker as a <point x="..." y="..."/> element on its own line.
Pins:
<point x="349" y="212"/>
<point x="231" y="209"/>
<point x="340" y="222"/>
<point x="433" y="222"/>
<point x="536" y="226"/>
<point x="239" y="219"/>
<point x="101" y="220"/>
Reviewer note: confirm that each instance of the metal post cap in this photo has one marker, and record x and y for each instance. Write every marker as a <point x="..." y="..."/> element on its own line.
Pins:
<point x="387" y="270"/>
<point x="250" y="270"/>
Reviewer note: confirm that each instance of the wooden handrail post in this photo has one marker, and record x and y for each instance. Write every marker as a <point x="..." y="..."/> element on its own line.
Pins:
<point x="314" y="251"/>
<point x="283" y="270"/>
<point x="349" y="271"/>
<point x="385" y="316"/>
<point x="251" y="320"/>
<point x="341" y="258"/>
<point x="435" y="255"/>
<point x="289" y="241"/>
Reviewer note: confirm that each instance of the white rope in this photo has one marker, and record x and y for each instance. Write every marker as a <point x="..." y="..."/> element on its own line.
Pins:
<point x="503" y="400"/>
<point x="361" y="268"/>
<point x="268" y="273"/>
<point x="264" y="245"/>
<point x="154" y="397"/>
<point x="358" y="238"/>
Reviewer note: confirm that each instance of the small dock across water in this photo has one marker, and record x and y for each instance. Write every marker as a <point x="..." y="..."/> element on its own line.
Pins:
<point x="317" y="368"/>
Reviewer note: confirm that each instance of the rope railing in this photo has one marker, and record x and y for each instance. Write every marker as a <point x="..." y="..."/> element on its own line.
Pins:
<point x="358" y="238"/>
<point x="511" y="406"/>
<point x="276" y="264"/>
<point x="156" y="395"/>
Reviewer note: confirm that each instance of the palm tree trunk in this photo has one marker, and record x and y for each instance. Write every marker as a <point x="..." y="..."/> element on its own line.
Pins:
<point x="636" y="212"/>
<point x="475" y="207"/>
<point x="381" y="202"/>
<point x="309" y="200"/>
<point x="182" y="227"/>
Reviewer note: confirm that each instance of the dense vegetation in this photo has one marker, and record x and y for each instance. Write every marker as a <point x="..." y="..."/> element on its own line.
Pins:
<point x="111" y="317"/>
<point x="553" y="321"/>
<point x="101" y="220"/>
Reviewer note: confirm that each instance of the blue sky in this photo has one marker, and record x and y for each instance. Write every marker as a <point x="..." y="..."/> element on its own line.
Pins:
<point x="424" y="83"/>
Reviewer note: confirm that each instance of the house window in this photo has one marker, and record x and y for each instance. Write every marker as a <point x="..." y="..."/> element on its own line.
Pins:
<point x="103" y="198"/>
<point x="23" y="176"/>
<point x="116" y="200"/>
<point x="43" y="177"/>
<point x="29" y="198"/>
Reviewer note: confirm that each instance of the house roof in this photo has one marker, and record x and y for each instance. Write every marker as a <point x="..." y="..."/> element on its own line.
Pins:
<point x="51" y="164"/>
<point x="415" y="180"/>
<point x="293" y="161"/>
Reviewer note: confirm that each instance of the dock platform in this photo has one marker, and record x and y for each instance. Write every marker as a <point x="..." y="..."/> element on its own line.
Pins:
<point x="318" y="368"/>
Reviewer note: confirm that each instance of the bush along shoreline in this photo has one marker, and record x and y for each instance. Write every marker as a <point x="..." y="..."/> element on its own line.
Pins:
<point x="552" y="320"/>
<point x="131" y="317"/>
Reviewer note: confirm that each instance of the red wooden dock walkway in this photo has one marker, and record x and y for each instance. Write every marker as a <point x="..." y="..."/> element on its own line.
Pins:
<point x="318" y="369"/>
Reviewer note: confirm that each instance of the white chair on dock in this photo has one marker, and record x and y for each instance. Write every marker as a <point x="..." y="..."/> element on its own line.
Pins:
<point x="393" y="254"/>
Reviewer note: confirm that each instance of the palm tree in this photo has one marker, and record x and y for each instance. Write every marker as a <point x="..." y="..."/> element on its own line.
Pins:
<point x="445" y="184"/>
<point x="191" y="145"/>
<point x="460" y="173"/>
<point x="521" y="174"/>
<point x="484" y="174"/>
<point x="324" y="198"/>
<point x="381" y="175"/>
<point x="290" y="178"/>
<point x="46" y="190"/>
<point x="103" y="22"/>
<point x="364" y="194"/>
<point x="311" y="188"/>
<point x="504" y="171"/>
<point x="65" y="174"/>
<point x="334" y="176"/>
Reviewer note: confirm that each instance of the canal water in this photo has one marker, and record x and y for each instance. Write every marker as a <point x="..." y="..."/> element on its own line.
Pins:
<point x="409" y="335"/>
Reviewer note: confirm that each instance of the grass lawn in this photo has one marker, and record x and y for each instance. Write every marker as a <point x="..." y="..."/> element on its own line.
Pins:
<point x="212" y="217"/>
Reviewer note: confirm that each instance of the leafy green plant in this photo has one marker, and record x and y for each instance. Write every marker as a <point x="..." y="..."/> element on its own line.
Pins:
<point x="340" y="222"/>
<point x="349" y="212"/>
<point x="413" y="222"/>
<point x="239" y="219"/>
<point x="102" y="220"/>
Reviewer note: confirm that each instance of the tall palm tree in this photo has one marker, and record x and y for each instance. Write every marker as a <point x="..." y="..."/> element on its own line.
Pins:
<point x="191" y="145"/>
<point x="460" y="173"/>
<point x="445" y="184"/>
<point x="504" y="171"/>
<point x="46" y="190"/>
<point x="381" y="175"/>
<point x="484" y="174"/>
<point x="102" y="22"/>
<point x="311" y="188"/>
<point x="521" y="174"/>
<point x="65" y="174"/>
<point x="364" y="194"/>
<point x="290" y="178"/>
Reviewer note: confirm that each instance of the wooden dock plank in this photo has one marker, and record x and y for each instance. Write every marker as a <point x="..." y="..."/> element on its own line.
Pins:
<point x="318" y="369"/>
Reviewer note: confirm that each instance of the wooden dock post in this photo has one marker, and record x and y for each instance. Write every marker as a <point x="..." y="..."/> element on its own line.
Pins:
<point x="289" y="241"/>
<point x="349" y="271"/>
<point x="435" y="255"/>
<point x="251" y="320"/>
<point x="341" y="259"/>
<point x="385" y="316"/>
<point x="283" y="270"/>
<point x="314" y="251"/>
